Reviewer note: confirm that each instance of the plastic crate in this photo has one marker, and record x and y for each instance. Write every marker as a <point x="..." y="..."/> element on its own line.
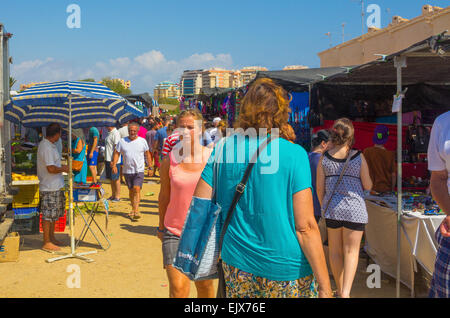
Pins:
<point x="27" y="197"/>
<point x="26" y="226"/>
<point x="60" y="225"/>
<point x="25" y="213"/>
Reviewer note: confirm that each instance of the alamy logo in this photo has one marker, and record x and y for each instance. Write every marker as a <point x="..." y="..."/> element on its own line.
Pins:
<point x="74" y="279"/>
<point x="374" y="19"/>
<point x="74" y="19"/>
<point x="270" y="161"/>
<point x="374" y="279"/>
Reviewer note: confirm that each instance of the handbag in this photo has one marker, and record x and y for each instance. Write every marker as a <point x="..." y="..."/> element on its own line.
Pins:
<point x="77" y="165"/>
<point x="198" y="251"/>
<point x="322" y="223"/>
<point x="240" y="188"/>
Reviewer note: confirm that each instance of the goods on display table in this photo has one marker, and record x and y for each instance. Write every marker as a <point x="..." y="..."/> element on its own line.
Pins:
<point x="420" y="220"/>
<point x="24" y="157"/>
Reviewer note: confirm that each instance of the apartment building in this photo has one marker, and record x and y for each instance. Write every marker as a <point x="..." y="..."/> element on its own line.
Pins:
<point x="191" y="82"/>
<point x="217" y="77"/>
<point x="399" y="35"/>
<point x="294" y="67"/>
<point x="167" y="89"/>
<point x="249" y="73"/>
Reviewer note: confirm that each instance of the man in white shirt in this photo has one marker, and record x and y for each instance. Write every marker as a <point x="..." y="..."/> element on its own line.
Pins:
<point x="439" y="165"/>
<point x="134" y="150"/>
<point x="51" y="184"/>
<point x="123" y="133"/>
<point x="111" y="142"/>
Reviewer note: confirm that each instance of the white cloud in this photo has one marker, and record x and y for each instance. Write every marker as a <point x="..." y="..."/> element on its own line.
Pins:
<point x="145" y="70"/>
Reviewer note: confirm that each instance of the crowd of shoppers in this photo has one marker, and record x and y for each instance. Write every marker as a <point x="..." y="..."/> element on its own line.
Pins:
<point x="272" y="246"/>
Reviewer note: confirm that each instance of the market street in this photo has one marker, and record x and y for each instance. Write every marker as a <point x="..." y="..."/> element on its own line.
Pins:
<point x="131" y="267"/>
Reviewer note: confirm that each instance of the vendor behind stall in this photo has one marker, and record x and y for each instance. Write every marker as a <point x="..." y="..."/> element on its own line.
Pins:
<point x="381" y="162"/>
<point x="51" y="181"/>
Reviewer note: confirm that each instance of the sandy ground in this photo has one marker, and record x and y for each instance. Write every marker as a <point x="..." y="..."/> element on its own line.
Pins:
<point x="131" y="267"/>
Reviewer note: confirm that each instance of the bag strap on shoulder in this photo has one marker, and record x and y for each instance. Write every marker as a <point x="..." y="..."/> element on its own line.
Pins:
<point x="240" y="188"/>
<point x="350" y="154"/>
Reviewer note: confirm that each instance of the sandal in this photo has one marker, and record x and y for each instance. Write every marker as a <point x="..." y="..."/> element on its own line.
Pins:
<point x="137" y="216"/>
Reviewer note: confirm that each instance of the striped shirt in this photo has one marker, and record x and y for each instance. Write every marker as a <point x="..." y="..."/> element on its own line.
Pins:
<point x="170" y="142"/>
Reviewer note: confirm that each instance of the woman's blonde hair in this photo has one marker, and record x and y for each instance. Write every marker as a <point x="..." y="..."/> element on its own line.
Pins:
<point x="343" y="132"/>
<point x="191" y="112"/>
<point x="266" y="105"/>
<point x="287" y="132"/>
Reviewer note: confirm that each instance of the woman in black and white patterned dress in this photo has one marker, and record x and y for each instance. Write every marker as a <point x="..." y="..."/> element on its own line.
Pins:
<point x="346" y="215"/>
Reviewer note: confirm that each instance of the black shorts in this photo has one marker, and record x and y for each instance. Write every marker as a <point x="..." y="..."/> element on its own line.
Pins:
<point x="336" y="224"/>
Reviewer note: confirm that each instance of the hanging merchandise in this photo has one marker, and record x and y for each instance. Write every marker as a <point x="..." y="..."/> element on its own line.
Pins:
<point x="204" y="108"/>
<point x="225" y="106"/>
<point x="238" y="102"/>
<point x="181" y="100"/>
<point x="231" y="109"/>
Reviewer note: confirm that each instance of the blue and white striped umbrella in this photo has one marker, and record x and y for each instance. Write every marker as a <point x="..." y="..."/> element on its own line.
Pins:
<point x="93" y="104"/>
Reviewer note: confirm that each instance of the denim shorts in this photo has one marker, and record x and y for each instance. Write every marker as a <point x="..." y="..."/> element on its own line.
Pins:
<point x="169" y="247"/>
<point x="109" y="174"/>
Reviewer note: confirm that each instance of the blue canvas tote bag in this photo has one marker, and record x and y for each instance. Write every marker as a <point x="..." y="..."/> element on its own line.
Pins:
<point x="198" y="249"/>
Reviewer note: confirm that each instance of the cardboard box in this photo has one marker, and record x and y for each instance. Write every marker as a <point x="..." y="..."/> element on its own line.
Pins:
<point x="9" y="248"/>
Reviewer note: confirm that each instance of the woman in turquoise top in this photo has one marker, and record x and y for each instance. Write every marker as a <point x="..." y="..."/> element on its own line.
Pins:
<point x="272" y="247"/>
<point x="79" y="154"/>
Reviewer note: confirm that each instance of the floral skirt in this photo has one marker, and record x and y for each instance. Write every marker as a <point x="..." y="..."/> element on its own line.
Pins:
<point x="240" y="284"/>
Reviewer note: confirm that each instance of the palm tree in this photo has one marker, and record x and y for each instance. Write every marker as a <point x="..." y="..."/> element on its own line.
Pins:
<point x="12" y="81"/>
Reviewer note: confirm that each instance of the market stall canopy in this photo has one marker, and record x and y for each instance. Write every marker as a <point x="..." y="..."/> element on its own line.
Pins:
<point x="298" y="80"/>
<point x="428" y="62"/>
<point x="426" y="75"/>
<point x="144" y="98"/>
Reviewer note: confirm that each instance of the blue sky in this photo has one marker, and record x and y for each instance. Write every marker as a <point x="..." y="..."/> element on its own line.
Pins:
<point x="150" y="41"/>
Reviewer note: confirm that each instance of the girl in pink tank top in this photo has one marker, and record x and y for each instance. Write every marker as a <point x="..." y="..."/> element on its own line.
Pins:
<point x="183" y="180"/>
<point x="180" y="172"/>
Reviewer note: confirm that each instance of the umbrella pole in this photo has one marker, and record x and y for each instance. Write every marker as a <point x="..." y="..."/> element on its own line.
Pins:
<point x="69" y="141"/>
<point x="72" y="230"/>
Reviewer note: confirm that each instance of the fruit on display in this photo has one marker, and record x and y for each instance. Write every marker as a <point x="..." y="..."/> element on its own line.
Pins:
<point x="23" y="177"/>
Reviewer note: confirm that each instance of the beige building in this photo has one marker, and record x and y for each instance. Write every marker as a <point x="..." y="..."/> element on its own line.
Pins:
<point x="294" y="67"/>
<point x="166" y="89"/>
<point x="217" y="77"/>
<point x="249" y="73"/>
<point x="399" y="35"/>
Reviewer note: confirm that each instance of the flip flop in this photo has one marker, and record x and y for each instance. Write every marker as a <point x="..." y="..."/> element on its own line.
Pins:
<point x="137" y="216"/>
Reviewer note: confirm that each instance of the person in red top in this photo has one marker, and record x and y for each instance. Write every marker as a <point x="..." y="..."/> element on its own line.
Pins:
<point x="170" y="141"/>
